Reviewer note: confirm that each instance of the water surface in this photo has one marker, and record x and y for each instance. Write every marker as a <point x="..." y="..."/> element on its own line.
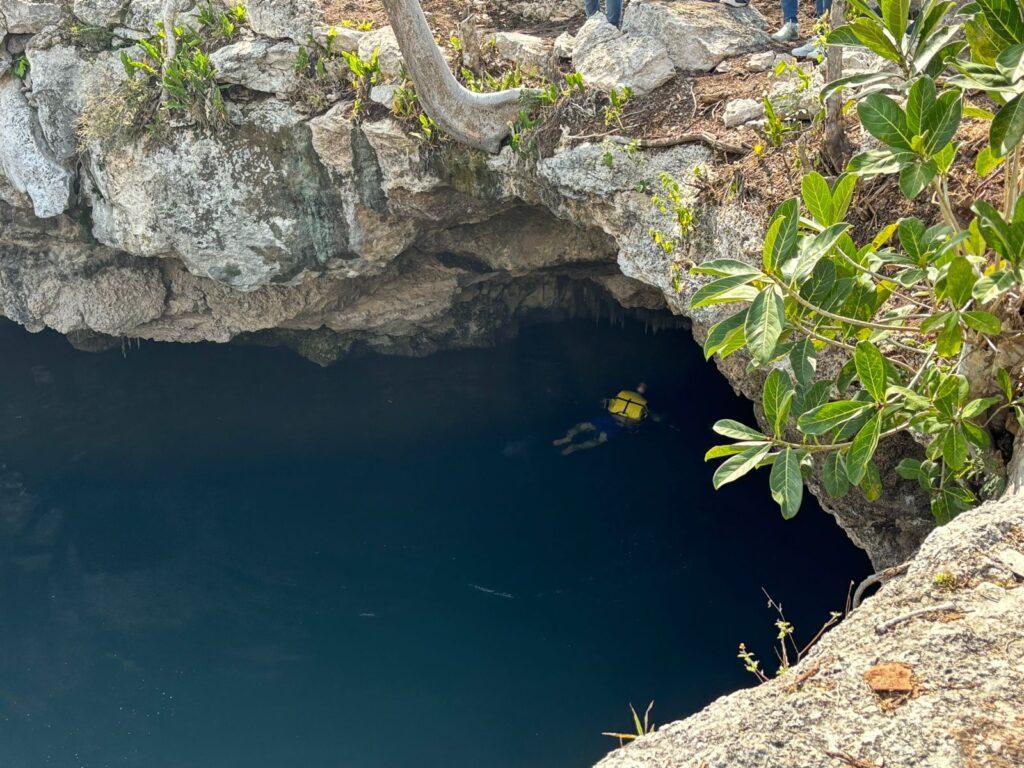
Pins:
<point x="225" y="557"/>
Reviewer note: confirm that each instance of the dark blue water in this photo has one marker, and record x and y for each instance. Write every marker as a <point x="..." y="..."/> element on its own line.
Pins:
<point x="220" y="557"/>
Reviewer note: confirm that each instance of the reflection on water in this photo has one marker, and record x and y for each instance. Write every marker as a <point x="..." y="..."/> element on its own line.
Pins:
<point x="225" y="557"/>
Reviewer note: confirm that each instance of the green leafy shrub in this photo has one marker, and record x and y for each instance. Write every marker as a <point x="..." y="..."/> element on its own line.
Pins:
<point x="328" y="71"/>
<point x="903" y="309"/>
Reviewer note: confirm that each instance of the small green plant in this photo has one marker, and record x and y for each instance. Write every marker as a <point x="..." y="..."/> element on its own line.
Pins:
<point x="642" y="727"/>
<point x="406" y="103"/>
<point x="775" y="129"/>
<point x="362" y="26"/>
<point x="946" y="581"/>
<point x="787" y="651"/>
<point x="20" y="67"/>
<point x="672" y="205"/>
<point x="428" y="128"/>
<point x="219" y="22"/>
<point x="574" y="82"/>
<point x="617" y="101"/>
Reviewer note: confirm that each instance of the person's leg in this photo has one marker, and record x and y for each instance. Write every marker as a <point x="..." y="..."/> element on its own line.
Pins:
<point x="789" y="29"/>
<point x="601" y="439"/>
<point x="614" y="11"/>
<point x="592" y="6"/>
<point x="822" y="7"/>
<point x="585" y="426"/>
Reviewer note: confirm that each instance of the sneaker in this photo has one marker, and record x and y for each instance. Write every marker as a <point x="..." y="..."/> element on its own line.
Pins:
<point x="735" y="3"/>
<point x="787" y="32"/>
<point x="812" y="49"/>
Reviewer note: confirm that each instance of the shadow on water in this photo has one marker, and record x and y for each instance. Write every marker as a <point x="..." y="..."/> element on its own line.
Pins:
<point x="228" y="557"/>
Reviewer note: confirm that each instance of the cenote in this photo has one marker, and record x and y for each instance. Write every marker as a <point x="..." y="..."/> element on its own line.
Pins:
<point x="228" y="557"/>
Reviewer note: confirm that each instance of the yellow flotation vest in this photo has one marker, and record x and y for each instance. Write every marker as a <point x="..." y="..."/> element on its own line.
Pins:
<point x="629" y="405"/>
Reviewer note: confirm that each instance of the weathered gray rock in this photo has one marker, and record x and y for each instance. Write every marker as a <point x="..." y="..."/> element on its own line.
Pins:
<point x="25" y="157"/>
<point x="530" y="52"/>
<point x="332" y="138"/>
<point x="247" y="209"/>
<point x="384" y="94"/>
<point x="697" y="35"/>
<point x="339" y="38"/>
<point x="563" y="46"/>
<point x="607" y="58"/>
<point x="295" y="20"/>
<point x="389" y="54"/>
<point x="259" y="65"/>
<point x="102" y="13"/>
<point x="29" y="16"/>
<point x="546" y="10"/>
<point x="740" y="111"/>
<point x="64" y="78"/>
<point x="761" y="62"/>
<point x="927" y="673"/>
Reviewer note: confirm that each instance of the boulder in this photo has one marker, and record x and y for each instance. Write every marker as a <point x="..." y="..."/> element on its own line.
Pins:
<point x="607" y="58"/>
<point x="342" y="38"/>
<point x="259" y="65"/>
<point x="284" y="19"/>
<point x="546" y="10"/>
<point x="528" y="51"/>
<point x="101" y="13"/>
<point x="389" y="54"/>
<point x="25" y="157"/>
<point x="741" y="111"/>
<point x="697" y="35"/>
<point x="27" y="16"/>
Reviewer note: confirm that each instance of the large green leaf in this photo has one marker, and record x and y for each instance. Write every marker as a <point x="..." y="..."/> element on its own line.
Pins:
<point x="871" y="36"/>
<point x="894" y="14"/>
<point x="737" y="430"/>
<point x="942" y="120"/>
<point x="871" y="483"/>
<point x="870" y="366"/>
<point x="726" y="268"/>
<point x="786" y="483"/>
<point x="960" y="281"/>
<point x="915" y="177"/>
<point x="1007" y="127"/>
<point x="834" y="475"/>
<point x="777" y="398"/>
<point x="1011" y="63"/>
<point x="883" y="119"/>
<point x="737" y="466"/>
<point x="842" y="193"/>
<point x="983" y="322"/>
<point x="764" y="324"/>
<point x="825" y="418"/>
<point x="1007" y="240"/>
<point x="987" y="161"/>
<point x="803" y="359"/>
<point x="1004" y="16"/>
<point x="954" y="447"/>
<point x="781" y="238"/>
<point x="920" y="100"/>
<point x="863" y="448"/>
<point x="875" y="162"/>
<point x="723" y="291"/>
<point x="727" y="336"/>
<point x="817" y="197"/>
<point x="862" y="79"/>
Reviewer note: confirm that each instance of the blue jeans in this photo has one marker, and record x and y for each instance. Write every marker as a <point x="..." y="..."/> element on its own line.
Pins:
<point x="821" y="7"/>
<point x="614" y="9"/>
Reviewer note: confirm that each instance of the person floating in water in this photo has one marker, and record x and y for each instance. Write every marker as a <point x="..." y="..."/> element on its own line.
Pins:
<point x="627" y="410"/>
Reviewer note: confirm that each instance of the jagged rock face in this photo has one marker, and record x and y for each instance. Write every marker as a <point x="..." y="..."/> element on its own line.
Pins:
<point x="927" y="673"/>
<point x="607" y="58"/>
